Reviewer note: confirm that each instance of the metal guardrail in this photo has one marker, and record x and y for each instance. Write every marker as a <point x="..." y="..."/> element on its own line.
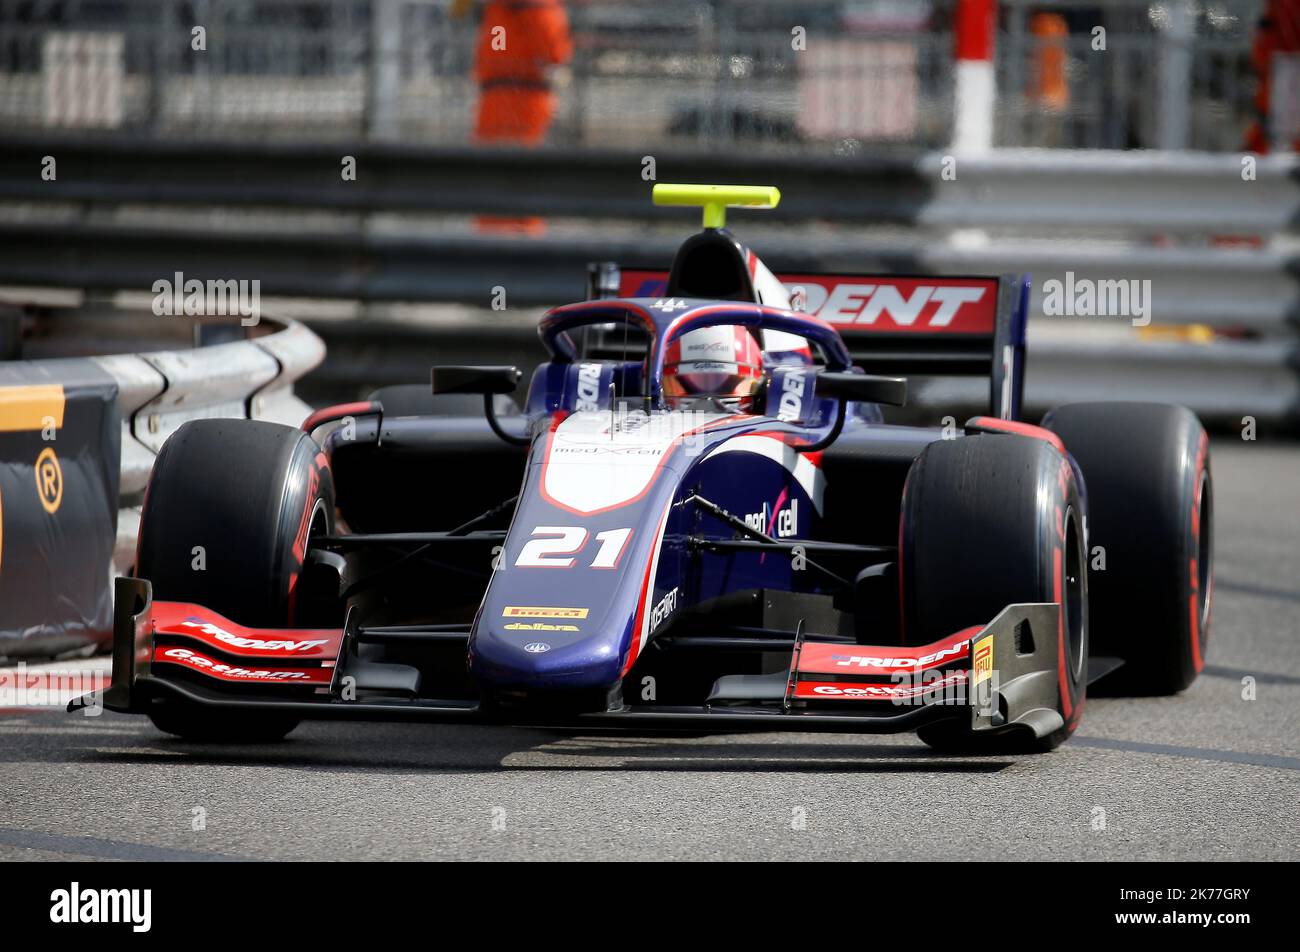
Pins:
<point x="1131" y="199"/>
<point x="1241" y="287"/>
<point x="1224" y="381"/>
<point x="1131" y="192"/>
<point x="1126" y="192"/>
<point x="158" y="391"/>
<point x="109" y="171"/>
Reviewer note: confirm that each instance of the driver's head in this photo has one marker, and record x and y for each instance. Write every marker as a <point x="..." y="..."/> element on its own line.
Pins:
<point x="724" y="362"/>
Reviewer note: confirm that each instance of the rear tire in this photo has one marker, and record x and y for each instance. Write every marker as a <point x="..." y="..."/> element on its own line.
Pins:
<point x="244" y="496"/>
<point x="1146" y="475"/>
<point x="989" y="521"/>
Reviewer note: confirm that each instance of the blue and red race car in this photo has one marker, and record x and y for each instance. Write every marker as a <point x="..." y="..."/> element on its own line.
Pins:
<point x="699" y="520"/>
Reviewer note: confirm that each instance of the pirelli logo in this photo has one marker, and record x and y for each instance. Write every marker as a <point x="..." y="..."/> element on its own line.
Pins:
<point x="983" y="655"/>
<point x="533" y="611"/>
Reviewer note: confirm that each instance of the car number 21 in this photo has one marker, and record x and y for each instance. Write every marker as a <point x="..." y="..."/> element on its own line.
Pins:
<point x="558" y="547"/>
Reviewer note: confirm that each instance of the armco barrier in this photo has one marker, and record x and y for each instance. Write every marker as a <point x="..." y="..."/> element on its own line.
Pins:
<point x="108" y="417"/>
<point x="1246" y="287"/>
<point x="1129" y="191"/>
<point x="1146" y="216"/>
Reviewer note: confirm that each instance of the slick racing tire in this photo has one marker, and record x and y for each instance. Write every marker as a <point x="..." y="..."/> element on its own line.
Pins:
<point x="1146" y="477"/>
<point x="989" y="521"/>
<point x="228" y="515"/>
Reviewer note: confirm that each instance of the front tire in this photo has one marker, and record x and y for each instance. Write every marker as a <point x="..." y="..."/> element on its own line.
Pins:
<point x="229" y="512"/>
<point x="989" y="521"/>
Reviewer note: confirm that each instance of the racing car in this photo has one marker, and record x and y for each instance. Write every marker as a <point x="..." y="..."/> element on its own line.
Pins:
<point x="698" y="519"/>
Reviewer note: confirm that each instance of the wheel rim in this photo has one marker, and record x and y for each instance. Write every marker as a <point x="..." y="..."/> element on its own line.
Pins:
<point x="1072" y="595"/>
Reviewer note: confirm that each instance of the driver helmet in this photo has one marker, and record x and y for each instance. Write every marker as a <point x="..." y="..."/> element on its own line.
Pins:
<point x="723" y="362"/>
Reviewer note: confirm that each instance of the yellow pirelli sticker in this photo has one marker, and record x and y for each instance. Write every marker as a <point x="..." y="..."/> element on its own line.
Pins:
<point x="983" y="656"/>
<point x="534" y="611"/>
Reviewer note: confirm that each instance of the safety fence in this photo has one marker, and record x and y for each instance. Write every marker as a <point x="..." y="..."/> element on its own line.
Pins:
<point x="794" y="76"/>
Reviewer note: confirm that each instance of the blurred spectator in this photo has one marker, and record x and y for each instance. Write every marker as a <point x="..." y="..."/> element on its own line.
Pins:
<point x="1277" y="35"/>
<point x="520" y="43"/>
<point x="1049" y="87"/>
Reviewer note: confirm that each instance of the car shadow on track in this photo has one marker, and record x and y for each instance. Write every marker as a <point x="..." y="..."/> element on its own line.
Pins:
<point x="405" y="748"/>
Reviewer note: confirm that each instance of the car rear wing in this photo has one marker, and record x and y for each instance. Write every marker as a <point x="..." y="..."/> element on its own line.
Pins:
<point x="918" y="325"/>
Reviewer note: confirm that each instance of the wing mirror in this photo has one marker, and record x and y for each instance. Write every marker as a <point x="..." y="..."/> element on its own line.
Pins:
<point x="488" y="381"/>
<point x="863" y="388"/>
<point x="485" y="380"/>
<point x="860" y="388"/>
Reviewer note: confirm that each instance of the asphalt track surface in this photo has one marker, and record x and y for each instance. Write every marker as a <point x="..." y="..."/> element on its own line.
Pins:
<point x="1205" y="775"/>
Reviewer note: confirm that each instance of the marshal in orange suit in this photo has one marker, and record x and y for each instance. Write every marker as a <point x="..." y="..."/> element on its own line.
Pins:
<point x="1277" y="33"/>
<point x="519" y="42"/>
